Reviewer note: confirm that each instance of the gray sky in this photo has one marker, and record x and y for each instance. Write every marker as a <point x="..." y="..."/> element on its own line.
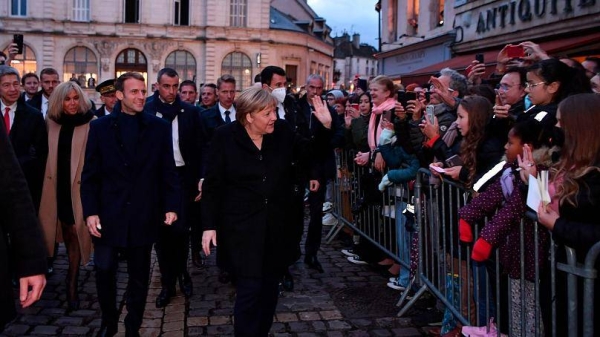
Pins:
<point x="354" y="16"/>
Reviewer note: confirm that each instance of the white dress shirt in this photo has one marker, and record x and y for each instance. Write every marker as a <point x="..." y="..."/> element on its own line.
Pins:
<point x="44" y="106"/>
<point x="231" y="112"/>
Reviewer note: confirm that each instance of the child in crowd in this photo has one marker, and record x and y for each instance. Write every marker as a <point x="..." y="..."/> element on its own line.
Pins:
<point x="507" y="194"/>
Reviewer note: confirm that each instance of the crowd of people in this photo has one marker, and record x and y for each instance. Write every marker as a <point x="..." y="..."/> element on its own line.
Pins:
<point x="174" y="171"/>
<point x="489" y="134"/>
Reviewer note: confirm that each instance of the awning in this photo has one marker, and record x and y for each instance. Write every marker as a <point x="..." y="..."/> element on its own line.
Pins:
<point x="460" y="62"/>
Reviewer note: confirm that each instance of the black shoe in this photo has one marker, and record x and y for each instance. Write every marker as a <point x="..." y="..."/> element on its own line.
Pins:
<point x="164" y="298"/>
<point x="313" y="263"/>
<point x="132" y="333"/>
<point x="197" y="260"/>
<point x="185" y="284"/>
<point x="287" y="281"/>
<point x="107" y="330"/>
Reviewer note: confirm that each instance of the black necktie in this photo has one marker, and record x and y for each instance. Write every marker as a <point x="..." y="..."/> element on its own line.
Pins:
<point x="227" y="118"/>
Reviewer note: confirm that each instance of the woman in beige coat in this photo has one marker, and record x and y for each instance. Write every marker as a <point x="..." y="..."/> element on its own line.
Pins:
<point x="61" y="215"/>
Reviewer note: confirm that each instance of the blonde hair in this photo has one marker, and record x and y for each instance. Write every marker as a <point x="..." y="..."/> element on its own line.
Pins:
<point x="251" y="100"/>
<point x="55" y="103"/>
<point x="385" y="82"/>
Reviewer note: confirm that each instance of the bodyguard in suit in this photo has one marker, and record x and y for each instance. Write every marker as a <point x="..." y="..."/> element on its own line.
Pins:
<point x="49" y="80"/>
<point x="18" y="221"/>
<point x="324" y="157"/>
<point x="31" y="85"/>
<point x="274" y="80"/>
<point x="128" y="185"/>
<point x="27" y="132"/>
<point x="108" y="97"/>
<point x="173" y="241"/>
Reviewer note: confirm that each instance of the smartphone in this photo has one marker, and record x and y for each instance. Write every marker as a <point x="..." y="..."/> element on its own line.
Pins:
<point x="498" y="97"/>
<point x="427" y="96"/>
<point x="354" y="106"/>
<point x="402" y="98"/>
<point x="18" y="39"/>
<point x="479" y="58"/>
<point x="430" y="110"/>
<point x="411" y="96"/>
<point x="388" y="115"/>
<point x="515" y="52"/>
<point x="454" y="161"/>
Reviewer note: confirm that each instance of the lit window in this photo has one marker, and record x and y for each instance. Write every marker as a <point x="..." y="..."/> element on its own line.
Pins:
<point x="239" y="66"/>
<point x="184" y="63"/>
<point x="18" y="8"/>
<point x="81" y="65"/>
<point x="24" y="63"/>
<point x="81" y="10"/>
<point x="238" y="14"/>
<point x="131" y="60"/>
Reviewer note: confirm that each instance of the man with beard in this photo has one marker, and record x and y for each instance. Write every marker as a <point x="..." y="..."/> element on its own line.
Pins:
<point x="49" y="80"/>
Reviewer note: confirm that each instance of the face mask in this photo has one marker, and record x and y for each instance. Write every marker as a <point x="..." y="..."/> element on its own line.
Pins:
<point x="279" y="94"/>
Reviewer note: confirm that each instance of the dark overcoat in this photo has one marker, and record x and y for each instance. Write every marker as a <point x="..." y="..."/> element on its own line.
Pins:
<point x="130" y="194"/>
<point x="17" y="220"/>
<point x="247" y="195"/>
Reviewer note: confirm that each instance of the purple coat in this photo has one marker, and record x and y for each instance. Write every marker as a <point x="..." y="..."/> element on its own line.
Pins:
<point x="503" y="229"/>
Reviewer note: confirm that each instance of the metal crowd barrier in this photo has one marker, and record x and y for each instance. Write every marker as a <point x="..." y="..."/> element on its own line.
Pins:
<point x="471" y="293"/>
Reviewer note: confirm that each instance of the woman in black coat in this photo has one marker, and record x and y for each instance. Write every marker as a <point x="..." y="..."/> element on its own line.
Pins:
<point x="576" y="181"/>
<point x="247" y="195"/>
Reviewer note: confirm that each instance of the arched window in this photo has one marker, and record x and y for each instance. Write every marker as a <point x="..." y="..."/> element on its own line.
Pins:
<point x="239" y="66"/>
<point x="24" y="63"/>
<point x="184" y="63"/>
<point x="131" y="60"/>
<point x="81" y="64"/>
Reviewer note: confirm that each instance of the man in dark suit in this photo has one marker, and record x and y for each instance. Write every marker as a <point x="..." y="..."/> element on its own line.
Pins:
<point x="128" y="184"/>
<point x="324" y="158"/>
<point x="173" y="242"/>
<point x="224" y="111"/>
<point x="31" y="85"/>
<point x="107" y="96"/>
<point x="19" y="222"/>
<point x="49" y="80"/>
<point x="208" y="96"/>
<point x="27" y="132"/>
<point x="274" y="81"/>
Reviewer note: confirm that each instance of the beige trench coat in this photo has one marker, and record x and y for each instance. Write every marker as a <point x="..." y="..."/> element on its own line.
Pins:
<point x="48" y="208"/>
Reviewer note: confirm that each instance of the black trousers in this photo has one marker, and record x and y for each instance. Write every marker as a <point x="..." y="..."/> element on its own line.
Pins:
<point x="172" y="254"/>
<point x="315" y="226"/>
<point x="255" y="303"/>
<point x="138" y="269"/>
<point x="173" y="242"/>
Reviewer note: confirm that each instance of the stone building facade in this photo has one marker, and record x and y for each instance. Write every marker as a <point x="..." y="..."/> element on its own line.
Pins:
<point x="92" y="41"/>
<point x="420" y="37"/>
<point x="352" y="59"/>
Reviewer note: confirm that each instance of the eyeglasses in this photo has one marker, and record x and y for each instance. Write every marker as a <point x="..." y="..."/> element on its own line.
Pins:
<point x="433" y="87"/>
<point x="505" y="87"/>
<point x="533" y="85"/>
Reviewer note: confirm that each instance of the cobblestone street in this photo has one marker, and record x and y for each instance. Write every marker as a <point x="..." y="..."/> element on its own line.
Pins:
<point x="346" y="300"/>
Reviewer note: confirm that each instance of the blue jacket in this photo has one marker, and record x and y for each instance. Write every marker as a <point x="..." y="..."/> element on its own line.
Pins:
<point x="395" y="157"/>
<point x="130" y="195"/>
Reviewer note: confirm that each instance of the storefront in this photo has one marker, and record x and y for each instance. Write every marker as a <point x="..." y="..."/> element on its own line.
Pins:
<point x="564" y="28"/>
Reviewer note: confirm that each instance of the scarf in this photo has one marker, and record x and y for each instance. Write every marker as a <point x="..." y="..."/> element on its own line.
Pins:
<point x="75" y="120"/>
<point x="374" y="131"/>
